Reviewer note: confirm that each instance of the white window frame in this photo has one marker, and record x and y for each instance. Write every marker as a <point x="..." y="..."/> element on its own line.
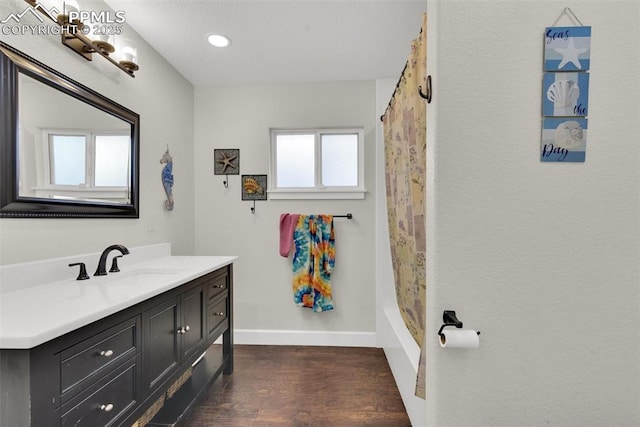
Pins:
<point x="318" y="191"/>
<point x="88" y="189"/>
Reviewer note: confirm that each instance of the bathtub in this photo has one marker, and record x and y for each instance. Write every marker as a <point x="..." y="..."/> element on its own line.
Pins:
<point x="402" y="354"/>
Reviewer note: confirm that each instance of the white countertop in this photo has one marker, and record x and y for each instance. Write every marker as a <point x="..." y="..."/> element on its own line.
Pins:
<point x="34" y="315"/>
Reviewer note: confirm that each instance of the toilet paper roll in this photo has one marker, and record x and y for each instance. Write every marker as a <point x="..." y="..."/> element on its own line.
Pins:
<point x="459" y="338"/>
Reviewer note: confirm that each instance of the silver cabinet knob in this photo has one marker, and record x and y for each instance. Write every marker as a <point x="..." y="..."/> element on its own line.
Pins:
<point x="187" y="328"/>
<point x="106" y="408"/>
<point x="181" y="331"/>
<point x="220" y="313"/>
<point x="106" y="353"/>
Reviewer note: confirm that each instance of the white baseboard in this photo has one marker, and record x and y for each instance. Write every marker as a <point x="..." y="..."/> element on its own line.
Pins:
<point x="318" y="338"/>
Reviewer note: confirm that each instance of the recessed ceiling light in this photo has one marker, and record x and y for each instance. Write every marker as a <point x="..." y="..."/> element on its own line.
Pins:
<point x="218" y="40"/>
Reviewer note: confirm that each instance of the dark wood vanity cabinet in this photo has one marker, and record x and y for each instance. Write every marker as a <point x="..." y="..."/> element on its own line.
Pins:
<point x="193" y="327"/>
<point x="175" y="331"/>
<point x="161" y="342"/>
<point x="112" y="371"/>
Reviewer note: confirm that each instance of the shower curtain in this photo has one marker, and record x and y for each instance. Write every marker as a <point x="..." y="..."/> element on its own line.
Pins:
<point x="405" y="146"/>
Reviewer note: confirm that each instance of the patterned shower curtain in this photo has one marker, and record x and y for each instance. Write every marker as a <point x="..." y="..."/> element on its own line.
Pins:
<point x="405" y="174"/>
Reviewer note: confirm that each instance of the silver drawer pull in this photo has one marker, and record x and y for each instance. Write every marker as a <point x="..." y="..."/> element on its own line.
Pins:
<point x="219" y="286"/>
<point x="220" y="313"/>
<point x="106" y="408"/>
<point x="106" y="353"/>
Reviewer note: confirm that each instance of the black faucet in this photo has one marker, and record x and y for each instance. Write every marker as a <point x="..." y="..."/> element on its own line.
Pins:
<point x="102" y="265"/>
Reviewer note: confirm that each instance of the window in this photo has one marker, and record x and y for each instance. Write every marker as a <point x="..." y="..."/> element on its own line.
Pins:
<point x="67" y="159"/>
<point x="317" y="164"/>
<point x="87" y="160"/>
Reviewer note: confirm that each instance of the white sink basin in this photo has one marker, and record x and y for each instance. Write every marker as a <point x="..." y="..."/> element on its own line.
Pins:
<point x="152" y="271"/>
<point x="135" y="275"/>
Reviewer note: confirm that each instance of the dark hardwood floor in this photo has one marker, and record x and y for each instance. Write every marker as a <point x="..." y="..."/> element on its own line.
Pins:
<point x="303" y="386"/>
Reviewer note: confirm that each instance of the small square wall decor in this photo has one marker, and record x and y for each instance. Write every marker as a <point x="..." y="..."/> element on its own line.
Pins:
<point x="563" y="139"/>
<point x="226" y="161"/>
<point x="565" y="94"/>
<point x="567" y="48"/>
<point x="254" y="187"/>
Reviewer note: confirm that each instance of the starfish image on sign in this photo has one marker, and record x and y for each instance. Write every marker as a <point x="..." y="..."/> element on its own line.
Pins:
<point x="226" y="161"/>
<point x="570" y="54"/>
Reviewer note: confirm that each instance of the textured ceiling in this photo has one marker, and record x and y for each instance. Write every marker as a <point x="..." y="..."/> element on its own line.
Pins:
<point x="275" y="41"/>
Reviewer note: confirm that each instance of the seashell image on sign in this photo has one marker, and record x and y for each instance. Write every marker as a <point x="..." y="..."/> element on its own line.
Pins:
<point x="567" y="48"/>
<point x="254" y="187"/>
<point x="564" y="139"/>
<point x="565" y="94"/>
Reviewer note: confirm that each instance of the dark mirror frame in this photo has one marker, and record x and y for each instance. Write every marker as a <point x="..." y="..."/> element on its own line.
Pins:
<point x="13" y="62"/>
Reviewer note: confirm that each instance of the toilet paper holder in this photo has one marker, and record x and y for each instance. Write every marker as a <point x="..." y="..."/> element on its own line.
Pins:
<point x="449" y="318"/>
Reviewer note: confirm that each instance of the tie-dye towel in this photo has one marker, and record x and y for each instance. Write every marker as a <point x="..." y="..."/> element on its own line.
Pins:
<point x="313" y="262"/>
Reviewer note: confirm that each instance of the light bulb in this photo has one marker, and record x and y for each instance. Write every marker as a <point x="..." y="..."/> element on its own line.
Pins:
<point x="130" y="54"/>
<point x="218" y="40"/>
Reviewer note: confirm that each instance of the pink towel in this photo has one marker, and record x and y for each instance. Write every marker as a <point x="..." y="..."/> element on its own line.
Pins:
<point x="287" y="225"/>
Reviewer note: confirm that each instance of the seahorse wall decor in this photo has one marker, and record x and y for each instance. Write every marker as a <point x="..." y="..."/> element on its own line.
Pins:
<point x="167" y="179"/>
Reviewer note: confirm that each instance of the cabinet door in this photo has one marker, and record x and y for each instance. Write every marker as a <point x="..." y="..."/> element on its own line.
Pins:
<point x="106" y="405"/>
<point x="193" y="321"/>
<point x="161" y="351"/>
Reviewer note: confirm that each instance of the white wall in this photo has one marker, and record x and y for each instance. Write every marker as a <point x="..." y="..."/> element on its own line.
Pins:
<point x="164" y="100"/>
<point x="543" y="258"/>
<point x="240" y="117"/>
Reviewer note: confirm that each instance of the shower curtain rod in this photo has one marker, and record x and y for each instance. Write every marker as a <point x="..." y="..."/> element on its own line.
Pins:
<point x="396" y="88"/>
<point x="426" y="95"/>
<point x="423" y="95"/>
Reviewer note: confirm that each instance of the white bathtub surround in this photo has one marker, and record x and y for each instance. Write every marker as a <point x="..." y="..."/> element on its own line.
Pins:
<point x="403" y="355"/>
<point x="42" y="300"/>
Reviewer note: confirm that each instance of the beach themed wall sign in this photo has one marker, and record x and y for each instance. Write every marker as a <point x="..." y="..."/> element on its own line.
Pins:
<point x="564" y="139"/>
<point x="565" y="91"/>
<point x="254" y="187"/>
<point x="567" y="48"/>
<point x="565" y="94"/>
<point x="226" y="162"/>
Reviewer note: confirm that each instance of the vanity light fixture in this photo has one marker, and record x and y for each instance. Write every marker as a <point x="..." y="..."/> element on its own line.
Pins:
<point x="129" y="57"/>
<point x="218" y="40"/>
<point x="73" y="34"/>
<point x="67" y="6"/>
<point x="105" y="43"/>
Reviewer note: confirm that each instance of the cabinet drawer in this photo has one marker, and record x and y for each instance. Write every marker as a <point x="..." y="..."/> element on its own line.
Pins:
<point x="217" y="314"/>
<point x="216" y="287"/>
<point x="114" y="397"/>
<point x="95" y="355"/>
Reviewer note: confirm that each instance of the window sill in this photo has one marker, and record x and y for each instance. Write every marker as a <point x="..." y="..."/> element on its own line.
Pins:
<point x="298" y="194"/>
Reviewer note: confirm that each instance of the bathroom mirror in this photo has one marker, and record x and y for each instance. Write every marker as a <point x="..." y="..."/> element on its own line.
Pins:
<point x="66" y="151"/>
